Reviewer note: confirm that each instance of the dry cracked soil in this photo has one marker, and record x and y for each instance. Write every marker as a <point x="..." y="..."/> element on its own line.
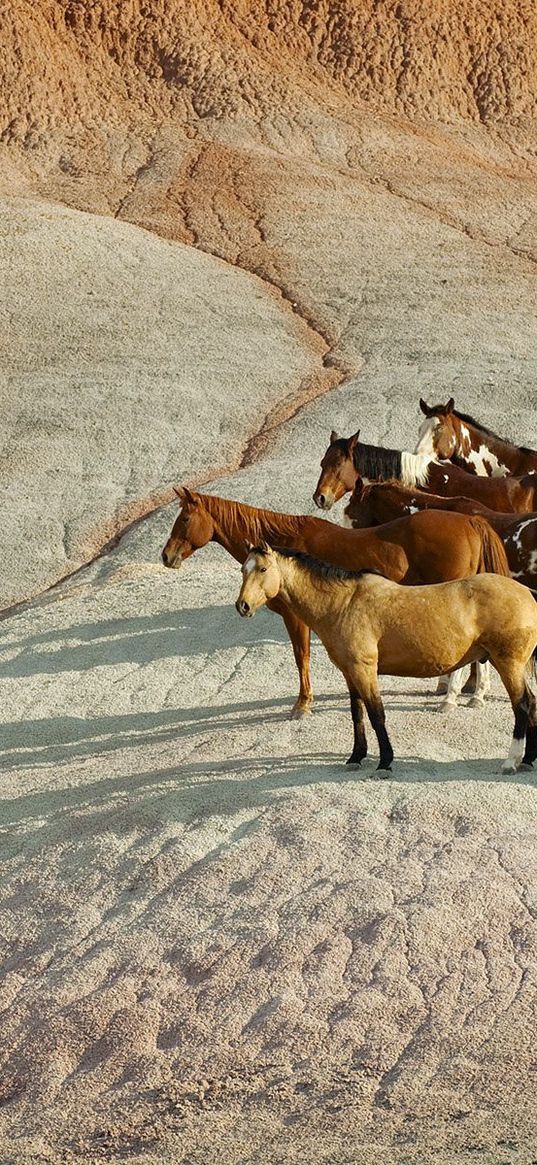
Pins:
<point x="227" y="228"/>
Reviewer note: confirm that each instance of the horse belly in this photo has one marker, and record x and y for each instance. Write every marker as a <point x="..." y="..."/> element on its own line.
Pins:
<point x="435" y="652"/>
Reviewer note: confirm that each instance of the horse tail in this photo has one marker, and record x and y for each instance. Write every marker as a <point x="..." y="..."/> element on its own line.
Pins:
<point x="493" y="558"/>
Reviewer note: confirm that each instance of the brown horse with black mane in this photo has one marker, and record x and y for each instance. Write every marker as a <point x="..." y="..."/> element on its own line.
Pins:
<point x="376" y="502"/>
<point x="447" y="433"/>
<point x="418" y="549"/>
<point x="347" y="458"/>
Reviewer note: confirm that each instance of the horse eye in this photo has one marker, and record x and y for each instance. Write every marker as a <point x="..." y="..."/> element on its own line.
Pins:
<point x="262" y="570"/>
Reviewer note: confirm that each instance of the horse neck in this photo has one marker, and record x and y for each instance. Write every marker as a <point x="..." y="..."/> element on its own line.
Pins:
<point x="391" y="500"/>
<point x="373" y="462"/>
<point x="379" y="503"/>
<point x="475" y="447"/>
<point x="312" y="598"/>
<point x="235" y="524"/>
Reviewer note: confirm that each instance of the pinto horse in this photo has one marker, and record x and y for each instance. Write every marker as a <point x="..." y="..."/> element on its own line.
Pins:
<point x="347" y="458"/>
<point x="383" y="501"/>
<point x="446" y="433"/>
<point x="418" y="549"/>
<point x="371" y="626"/>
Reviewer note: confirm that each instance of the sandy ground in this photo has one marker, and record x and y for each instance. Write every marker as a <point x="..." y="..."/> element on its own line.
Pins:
<point x="218" y="943"/>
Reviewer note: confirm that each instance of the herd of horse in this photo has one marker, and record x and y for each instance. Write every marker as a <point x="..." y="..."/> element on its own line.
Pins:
<point x="460" y="511"/>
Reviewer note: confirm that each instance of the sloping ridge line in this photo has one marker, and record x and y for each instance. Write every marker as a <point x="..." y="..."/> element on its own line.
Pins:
<point x="330" y="376"/>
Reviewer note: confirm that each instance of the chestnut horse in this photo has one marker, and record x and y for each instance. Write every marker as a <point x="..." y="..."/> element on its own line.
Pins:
<point x="382" y="501"/>
<point x="446" y="433"/>
<point x="371" y="626"/>
<point x="419" y="549"/>
<point x="347" y="458"/>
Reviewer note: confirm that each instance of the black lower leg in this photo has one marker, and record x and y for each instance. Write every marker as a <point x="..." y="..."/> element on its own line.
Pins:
<point x="375" y="711"/>
<point x="359" y="750"/>
<point x="521" y="719"/>
<point x="530" y="753"/>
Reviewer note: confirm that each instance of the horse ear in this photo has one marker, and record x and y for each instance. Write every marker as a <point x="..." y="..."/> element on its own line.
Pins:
<point x="450" y="405"/>
<point x="264" y="547"/>
<point x="353" y="441"/>
<point x="184" y="494"/>
<point x="334" y="436"/>
<point x="425" y="407"/>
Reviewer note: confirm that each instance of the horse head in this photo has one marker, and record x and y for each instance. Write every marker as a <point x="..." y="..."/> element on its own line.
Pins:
<point x="261" y="579"/>
<point x="338" y="473"/>
<point x="439" y="434"/>
<point x="192" y="529"/>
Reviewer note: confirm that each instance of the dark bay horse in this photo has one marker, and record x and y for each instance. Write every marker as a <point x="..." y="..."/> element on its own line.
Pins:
<point x="371" y="626"/>
<point x="447" y="433"/>
<point x="347" y="458"/>
<point x="382" y="501"/>
<point x="417" y="549"/>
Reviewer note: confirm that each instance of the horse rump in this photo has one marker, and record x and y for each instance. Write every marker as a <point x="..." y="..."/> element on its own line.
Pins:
<point x="493" y="558"/>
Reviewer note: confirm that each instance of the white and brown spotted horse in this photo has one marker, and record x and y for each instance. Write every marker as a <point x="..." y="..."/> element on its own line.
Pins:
<point x="450" y="435"/>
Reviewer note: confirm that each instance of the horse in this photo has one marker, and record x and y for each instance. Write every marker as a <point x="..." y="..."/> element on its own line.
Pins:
<point x="383" y="501"/>
<point x="449" y="434"/>
<point x="371" y="626"/>
<point x="347" y="458"/>
<point x="411" y="550"/>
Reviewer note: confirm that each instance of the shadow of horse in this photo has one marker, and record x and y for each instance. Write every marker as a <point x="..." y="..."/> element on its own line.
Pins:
<point x="200" y="789"/>
<point x="140" y="639"/>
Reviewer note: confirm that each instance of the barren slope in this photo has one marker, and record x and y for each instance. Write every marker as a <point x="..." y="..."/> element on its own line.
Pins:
<point x="217" y="944"/>
<point x="129" y="365"/>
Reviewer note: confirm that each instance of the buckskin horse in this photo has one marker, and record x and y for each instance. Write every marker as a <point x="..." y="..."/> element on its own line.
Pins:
<point x="447" y="433"/>
<point x="348" y="458"/>
<point x="417" y="549"/>
<point x="371" y="626"/>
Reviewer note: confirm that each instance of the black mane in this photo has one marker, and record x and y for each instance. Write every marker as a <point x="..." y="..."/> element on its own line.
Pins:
<point x="375" y="462"/>
<point x="324" y="569"/>
<point x="490" y="432"/>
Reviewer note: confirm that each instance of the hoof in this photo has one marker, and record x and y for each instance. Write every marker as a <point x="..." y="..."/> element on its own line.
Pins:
<point x="300" y="711"/>
<point x="526" y="766"/>
<point x="509" y="766"/>
<point x="446" y="705"/>
<point x="355" y="760"/>
<point x="476" y="702"/>
<point x="383" y="771"/>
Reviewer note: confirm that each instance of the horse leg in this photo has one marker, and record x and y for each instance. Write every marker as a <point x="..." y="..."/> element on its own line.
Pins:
<point x="472" y="683"/>
<point x="482" y="688"/>
<point x="523" y="704"/>
<point x="300" y="636"/>
<point x="367" y="685"/>
<point x="453" y="690"/>
<point x="359" y="750"/>
<point x="530" y="753"/>
<point x="442" y="685"/>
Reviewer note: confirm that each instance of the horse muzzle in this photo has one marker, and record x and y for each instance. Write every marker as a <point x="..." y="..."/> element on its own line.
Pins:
<point x="244" y="609"/>
<point x="323" y="501"/>
<point x="172" y="561"/>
